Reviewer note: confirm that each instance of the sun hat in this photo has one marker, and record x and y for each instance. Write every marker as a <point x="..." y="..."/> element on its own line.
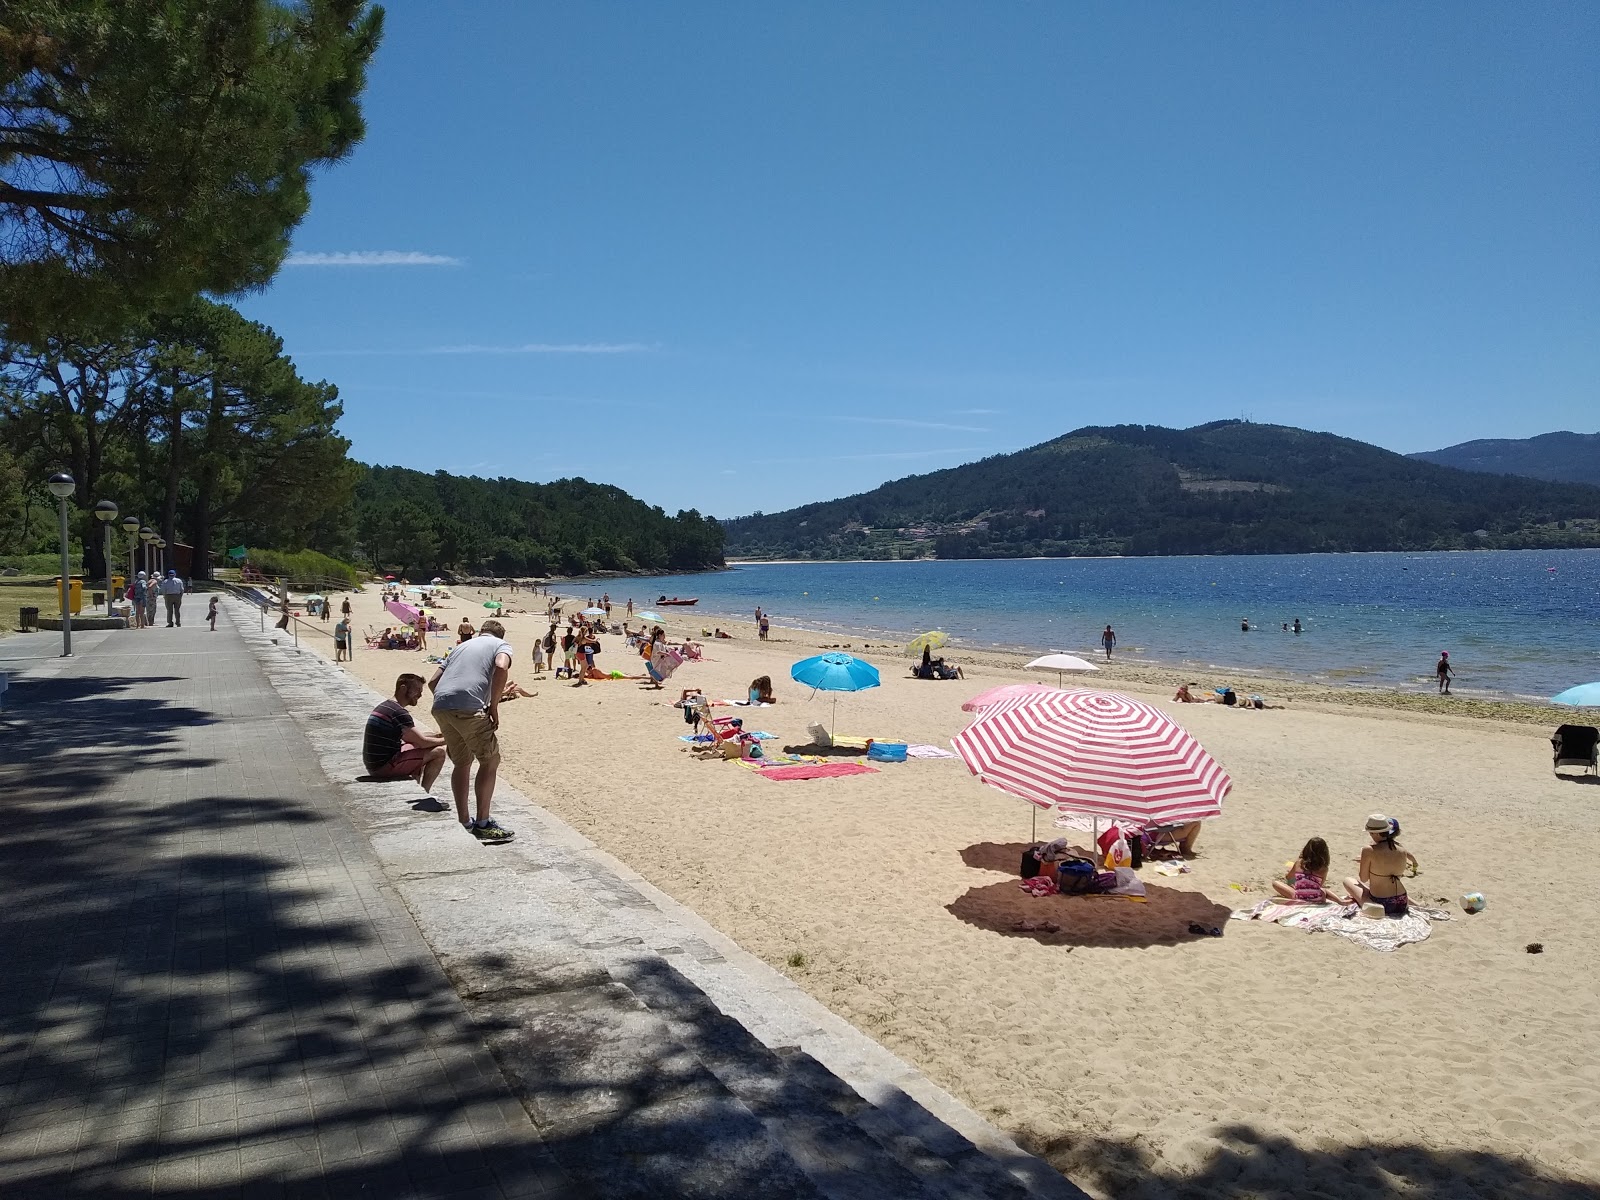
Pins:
<point x="1378" y="823"/>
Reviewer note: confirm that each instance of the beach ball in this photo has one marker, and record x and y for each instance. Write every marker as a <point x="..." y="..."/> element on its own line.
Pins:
<point x="1474" y="902"/>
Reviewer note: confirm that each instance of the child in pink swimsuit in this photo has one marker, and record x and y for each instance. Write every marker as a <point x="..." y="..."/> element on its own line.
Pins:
<point x="1306" y="879"/>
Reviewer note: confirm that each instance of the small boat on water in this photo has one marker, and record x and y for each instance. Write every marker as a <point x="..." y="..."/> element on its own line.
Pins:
<point x="675" y="600"/>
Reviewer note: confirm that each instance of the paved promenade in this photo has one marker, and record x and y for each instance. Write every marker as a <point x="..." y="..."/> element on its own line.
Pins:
<point x="216" y="983"/>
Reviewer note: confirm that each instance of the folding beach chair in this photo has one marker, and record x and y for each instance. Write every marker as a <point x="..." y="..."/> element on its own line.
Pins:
<point x="1577" y="746"/>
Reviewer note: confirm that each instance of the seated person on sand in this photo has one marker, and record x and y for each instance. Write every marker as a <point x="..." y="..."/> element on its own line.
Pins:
<point x="1185" y="696"/>
<point x="1306" y="878"/>
<point x="1382" y="865"/>
<point x="935" y="668"/>
<point x="761" y="690"/>
<point x="392" y="746"/>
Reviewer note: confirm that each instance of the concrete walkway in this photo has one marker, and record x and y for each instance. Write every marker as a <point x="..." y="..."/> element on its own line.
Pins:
<point x="219" y="986"/>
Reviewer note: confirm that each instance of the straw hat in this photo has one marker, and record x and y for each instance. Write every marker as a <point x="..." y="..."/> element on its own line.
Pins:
<point x="1378" y="823"/>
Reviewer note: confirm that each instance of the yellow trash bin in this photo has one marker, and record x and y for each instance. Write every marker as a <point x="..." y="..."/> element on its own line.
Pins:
<point x="74" y="595"/>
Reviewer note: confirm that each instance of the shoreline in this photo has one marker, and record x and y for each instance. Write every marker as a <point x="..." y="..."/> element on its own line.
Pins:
<point x="1161" y="674"/>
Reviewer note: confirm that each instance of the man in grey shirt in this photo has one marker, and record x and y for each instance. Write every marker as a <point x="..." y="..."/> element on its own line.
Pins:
<point x="466" y="704"/>
<point x="172" y="593"/>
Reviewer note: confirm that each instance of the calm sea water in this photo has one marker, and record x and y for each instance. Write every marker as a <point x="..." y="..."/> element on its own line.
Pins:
<point x="1516" y="623"/>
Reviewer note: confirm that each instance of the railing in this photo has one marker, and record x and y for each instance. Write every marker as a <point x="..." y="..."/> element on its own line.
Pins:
<point x="264" y="603"/>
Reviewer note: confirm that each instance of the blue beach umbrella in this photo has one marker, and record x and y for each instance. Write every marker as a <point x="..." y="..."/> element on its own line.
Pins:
<point x="835" y="673"/>
<point x="1585" y="695"/>
<point x="649" y="616"/>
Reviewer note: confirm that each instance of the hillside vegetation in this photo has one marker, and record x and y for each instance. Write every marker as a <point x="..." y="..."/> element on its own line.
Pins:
<point x="1230" y="487"/>
<point x="1564" y="457"/>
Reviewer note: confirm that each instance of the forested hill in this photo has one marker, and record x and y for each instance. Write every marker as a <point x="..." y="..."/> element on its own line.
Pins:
<point x="418" y="523"/>
<point x="1564" y="456"/>
<point x="1230" y="487"/>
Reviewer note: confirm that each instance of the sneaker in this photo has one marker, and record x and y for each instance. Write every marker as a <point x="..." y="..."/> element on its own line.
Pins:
<point x="491" y="833"/>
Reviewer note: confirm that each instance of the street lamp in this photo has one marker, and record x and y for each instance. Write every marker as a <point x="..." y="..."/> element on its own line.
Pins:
<point x="146" y="535"/>
<point x="130" y="526"/>
<point x="106" y="511"/>
<point x="62" y="487"/>
<point x="161" y="556"/>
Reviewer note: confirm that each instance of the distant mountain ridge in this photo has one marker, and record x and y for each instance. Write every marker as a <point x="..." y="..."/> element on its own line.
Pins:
<point x="1229" y="487"/>
<point x="1561" y="457"/>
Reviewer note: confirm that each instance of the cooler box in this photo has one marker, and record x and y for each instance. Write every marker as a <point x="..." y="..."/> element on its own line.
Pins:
<point x="887" y="752"/>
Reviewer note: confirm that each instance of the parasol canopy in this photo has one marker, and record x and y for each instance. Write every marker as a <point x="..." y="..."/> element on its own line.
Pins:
<point x="1098" y="753"/>
<point x="1004" y="691"/>
<point x="934" y="639"/>
<point x="835" y="672"/>
<point x="1585" y="695"/>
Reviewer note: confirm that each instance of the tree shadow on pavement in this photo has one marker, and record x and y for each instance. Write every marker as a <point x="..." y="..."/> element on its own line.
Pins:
<point x="67" y="737"/>
<point x="1241" y="1163"/>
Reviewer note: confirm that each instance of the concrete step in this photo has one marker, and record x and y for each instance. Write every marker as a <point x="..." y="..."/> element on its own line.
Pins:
<point x="850" y="1147"/>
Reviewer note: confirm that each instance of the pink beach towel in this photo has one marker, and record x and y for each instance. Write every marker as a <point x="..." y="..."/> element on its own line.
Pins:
<point x="817" y="771"/>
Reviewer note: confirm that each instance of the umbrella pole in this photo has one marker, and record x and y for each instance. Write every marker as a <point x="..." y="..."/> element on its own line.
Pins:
<point x="1035" y="808"/>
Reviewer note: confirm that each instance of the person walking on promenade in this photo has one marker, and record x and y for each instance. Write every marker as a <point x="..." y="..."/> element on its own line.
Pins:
<point x="1442" y="671"/>
<point x="283" y="607"/>
<point x="467" y="689"/>
<point x="211" y="614"/>
<point x="172" y="593"/>
<point x="139" y="592"/>
<point x="1108" y="639"/>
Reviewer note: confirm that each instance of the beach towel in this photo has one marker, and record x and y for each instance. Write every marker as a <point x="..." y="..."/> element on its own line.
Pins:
<point x="1384" y="934"/>
<point x="760" y="735"/>
<point x="816" y="771"/>
<point x="928" y="752"/>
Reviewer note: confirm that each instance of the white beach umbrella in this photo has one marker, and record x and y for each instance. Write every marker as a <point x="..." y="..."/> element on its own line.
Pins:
<point x="1061" y="662"/>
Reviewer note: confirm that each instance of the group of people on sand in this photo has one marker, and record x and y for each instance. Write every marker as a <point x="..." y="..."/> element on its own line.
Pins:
<point x="1379" y="877"/>
<point x="935" y="668"/>
<point x="1224" y="695"/>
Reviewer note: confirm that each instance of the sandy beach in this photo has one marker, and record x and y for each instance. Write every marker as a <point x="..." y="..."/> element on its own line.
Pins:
<point x="1138" y="1058"/>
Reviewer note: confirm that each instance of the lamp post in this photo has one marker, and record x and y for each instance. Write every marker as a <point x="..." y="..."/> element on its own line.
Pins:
<point x="161" y="556"/>
<point x="130" y="526"/>
<point x="146" y="535"/>
<point x="106" y="511"/>
<point x="62" y="487"/>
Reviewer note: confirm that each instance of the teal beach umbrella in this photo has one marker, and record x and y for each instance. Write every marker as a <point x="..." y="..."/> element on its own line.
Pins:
<point x="835" y="673"/>
<point x="1585" y="695"/>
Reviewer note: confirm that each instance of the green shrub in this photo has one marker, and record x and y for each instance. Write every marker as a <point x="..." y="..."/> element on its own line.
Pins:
<point x="303" y="568"/>
<point x="40" y="564"/>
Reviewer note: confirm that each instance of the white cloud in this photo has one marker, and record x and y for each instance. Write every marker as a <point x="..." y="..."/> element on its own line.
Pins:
<point x="525" y="348"/>
<point x="546" y="348"/>
<point x="907" y="423"/>
<point x="369" y="258"/>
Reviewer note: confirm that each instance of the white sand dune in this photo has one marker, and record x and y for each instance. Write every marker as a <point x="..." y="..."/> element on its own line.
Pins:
<point x="1140" y="1059"/>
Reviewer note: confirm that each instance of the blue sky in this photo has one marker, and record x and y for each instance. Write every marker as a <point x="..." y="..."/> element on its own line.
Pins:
<point x="740" y="257"/>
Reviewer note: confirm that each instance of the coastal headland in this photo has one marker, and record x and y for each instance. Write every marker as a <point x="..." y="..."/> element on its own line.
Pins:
<point x="1138" y="1057"/>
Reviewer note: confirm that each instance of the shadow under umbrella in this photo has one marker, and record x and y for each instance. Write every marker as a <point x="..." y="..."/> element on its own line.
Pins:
<point x="1165" y="917"/>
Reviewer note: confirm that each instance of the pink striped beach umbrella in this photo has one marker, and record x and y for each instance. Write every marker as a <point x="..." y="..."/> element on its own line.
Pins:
<point x="1098" y="753"/>
<point x="1004" y="691"/>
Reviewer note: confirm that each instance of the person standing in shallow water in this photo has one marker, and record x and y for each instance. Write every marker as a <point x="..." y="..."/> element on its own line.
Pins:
<point x="1443" y="671"/>
<point x="1108" y="639"/>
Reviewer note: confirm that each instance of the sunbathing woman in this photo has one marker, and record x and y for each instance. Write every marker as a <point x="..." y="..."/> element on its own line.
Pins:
<point x="1382" y="865"/>
<point x="514" y="690"/>
<point x="1306" y="879"/>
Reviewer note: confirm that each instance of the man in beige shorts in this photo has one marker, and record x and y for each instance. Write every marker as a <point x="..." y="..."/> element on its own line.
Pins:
<point x="466" y="704"/>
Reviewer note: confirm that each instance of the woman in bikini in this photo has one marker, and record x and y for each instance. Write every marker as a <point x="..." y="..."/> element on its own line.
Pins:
<point x="1382" y="865"/>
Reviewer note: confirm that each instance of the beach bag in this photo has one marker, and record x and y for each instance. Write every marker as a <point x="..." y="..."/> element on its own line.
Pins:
<point x="1075" y="877"/>
<point x="1030" y="862"/>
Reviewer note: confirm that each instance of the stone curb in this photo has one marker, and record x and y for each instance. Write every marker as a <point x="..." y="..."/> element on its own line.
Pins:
<point x="574" y="900"/>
